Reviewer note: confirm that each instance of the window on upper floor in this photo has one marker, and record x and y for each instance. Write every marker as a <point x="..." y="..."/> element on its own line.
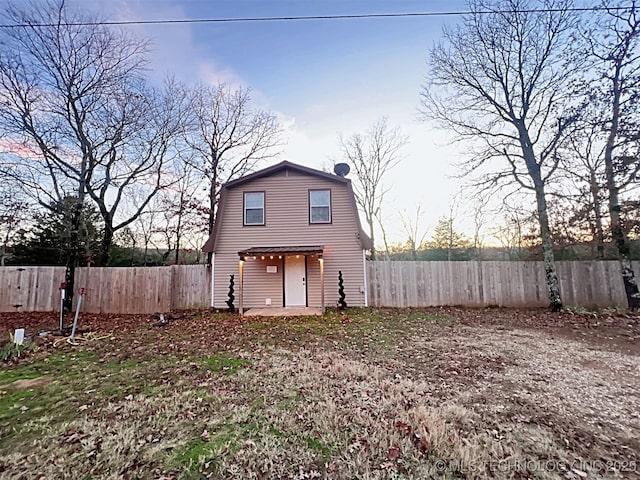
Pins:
<point x="319" y="206"/>
<point x="254" y="208"/>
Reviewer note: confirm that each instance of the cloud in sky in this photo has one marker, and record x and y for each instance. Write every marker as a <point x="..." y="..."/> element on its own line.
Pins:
<point x="174" y="48"/>
<point x="322" y="78"/>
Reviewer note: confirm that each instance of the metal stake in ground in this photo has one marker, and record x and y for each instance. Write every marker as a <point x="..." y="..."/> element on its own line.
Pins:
<point x="75" y="319"/>
<point x="63" y="287"/>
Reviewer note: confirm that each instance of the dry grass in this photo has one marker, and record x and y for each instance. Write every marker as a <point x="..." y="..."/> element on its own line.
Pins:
<point x="376" y="395"/>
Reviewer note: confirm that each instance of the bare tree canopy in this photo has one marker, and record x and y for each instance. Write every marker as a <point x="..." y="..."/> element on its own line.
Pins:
<point x="229" y="137"/>
<point x="149" y="122"/>
<point x="614" y="44"/>
<point x="413" y="230"/>
<point x="14" y="213"/>
<point x="500" y="81"/>
<point x="78" y="116"/>
<point x="56" y="82"/>
<point x="372" y="155"/>
<point x="582" y="178"/>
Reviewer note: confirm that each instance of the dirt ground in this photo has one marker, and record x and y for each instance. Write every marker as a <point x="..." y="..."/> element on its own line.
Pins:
<point x="431" y="393"/>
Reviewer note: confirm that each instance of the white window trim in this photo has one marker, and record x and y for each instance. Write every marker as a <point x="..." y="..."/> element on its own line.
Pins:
<point x="312" y="206"/>
<point x="244" y="209"/>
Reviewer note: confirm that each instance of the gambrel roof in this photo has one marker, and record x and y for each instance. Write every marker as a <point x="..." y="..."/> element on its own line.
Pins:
<point x="210" y="244"/>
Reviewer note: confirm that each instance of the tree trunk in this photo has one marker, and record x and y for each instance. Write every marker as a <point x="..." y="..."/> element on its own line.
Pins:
<point x="553" y="286"/>
<point x="72" y="256"/>
<point x="177" y="257"/>
<point x="373" y="243"/>
<point x="620" y="241"/>
<point x="3" y="252"/>
<point x="105" y="245"/>
<point x="599" y="233"/>
<point x="212" y="214"/>
<point x="3" y="249"/>
<point x="519" y="248"/>
<point x="617" y="233"/>
<point x="179" y="227"/>
<point x="384" y="240"/>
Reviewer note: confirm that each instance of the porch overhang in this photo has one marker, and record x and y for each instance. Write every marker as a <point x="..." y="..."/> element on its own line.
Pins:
<point x="285" y="250"/>
<point x="281" y="251"/>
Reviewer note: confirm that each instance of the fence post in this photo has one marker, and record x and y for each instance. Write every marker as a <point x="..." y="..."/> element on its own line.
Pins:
<point x="172" y="287"/>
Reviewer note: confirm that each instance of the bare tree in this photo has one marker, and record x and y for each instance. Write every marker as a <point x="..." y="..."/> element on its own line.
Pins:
<point x="385" y="236"/>
<point x="372" y="155"/>
<point x="174" y="217"/>
<point x="479" y="215"/>
<point x="143" y="228"/>
<point x="511" y="233"/>
<point x="146" y="125"/>
<point x="500" y="82"/>
<point x="181" y="209"/>
<point x="412" y="229"/>
<point x="228" y="136"/>
<point x="14" y="212"/>
<point x="583" y="184"/>
<point x="69" y="88"/>
<point x="614" y="43"/>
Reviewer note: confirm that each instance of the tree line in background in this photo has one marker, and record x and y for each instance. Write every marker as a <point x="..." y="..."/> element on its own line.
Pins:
<point x="545" y="100"/>
<point x="101" y="166"/>
<point x="97" y="152"/>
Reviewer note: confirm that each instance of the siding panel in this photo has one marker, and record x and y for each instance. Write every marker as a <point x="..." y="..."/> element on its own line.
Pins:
<point x="287" y="224"/>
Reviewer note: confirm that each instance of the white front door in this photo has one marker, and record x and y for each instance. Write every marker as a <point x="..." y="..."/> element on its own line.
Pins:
<point x="295" y="290"/>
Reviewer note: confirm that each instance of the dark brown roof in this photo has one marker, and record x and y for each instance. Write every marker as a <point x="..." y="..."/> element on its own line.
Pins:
<point x="282" y="250"/>
<point x="210" y="244"/>
<point x="281" y="166"/>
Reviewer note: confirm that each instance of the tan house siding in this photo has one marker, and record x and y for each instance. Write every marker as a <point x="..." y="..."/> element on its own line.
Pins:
<point x="287" y="224"/>
<point x="260" y="285"/>
<point x="313" y="275"/>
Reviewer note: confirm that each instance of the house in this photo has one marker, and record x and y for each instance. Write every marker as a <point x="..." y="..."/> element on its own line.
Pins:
<point x="284" y="233"/>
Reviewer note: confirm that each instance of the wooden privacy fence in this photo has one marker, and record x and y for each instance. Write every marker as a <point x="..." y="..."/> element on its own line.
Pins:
<point x="108" y="289"/>
<point x="508" y="284"/>
<point x="390" y="284"/>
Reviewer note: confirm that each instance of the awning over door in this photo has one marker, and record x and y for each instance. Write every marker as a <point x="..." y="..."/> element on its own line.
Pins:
<point x="290" y="250"/>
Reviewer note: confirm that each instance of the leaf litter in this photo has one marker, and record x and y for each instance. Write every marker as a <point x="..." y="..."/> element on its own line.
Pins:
<point x="376" y="393"/>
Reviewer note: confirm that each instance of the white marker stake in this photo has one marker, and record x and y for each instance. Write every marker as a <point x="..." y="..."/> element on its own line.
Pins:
<point x="75" y="320"/>
<point x="63" y="286"/>
<point x="18" y="336"/>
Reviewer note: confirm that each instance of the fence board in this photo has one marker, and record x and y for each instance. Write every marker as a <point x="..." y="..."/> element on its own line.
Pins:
<point x="192" y="286"/>
<point x="488" y="283"/>
<point x="108" y="289"/>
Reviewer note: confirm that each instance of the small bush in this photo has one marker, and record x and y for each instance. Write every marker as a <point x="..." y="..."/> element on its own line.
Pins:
<point x="230" y="306"/>
<point x="11" y="350"/>
<point x="342" y="303"/>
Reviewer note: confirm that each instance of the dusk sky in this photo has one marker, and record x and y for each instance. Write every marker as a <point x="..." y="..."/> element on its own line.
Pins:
<point x="322" y="77"/>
